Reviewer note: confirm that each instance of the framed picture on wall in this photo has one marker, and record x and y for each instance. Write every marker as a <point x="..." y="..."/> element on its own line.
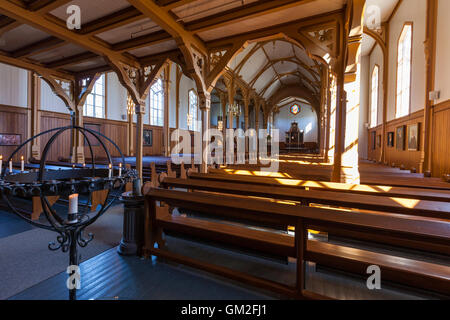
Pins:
<point x="94" y="127"/>
<point x="7" y="139"/>
<point x="148" y="138"/>
<point x="413" y="137"/>
<point x="374" y="140"/>
<point x="379" y="141"/>
<point x="400" y="138"/>
<point x="390" y="139"/>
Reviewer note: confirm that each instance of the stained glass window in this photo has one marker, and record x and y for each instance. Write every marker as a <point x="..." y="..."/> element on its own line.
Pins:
<point x="295" y="109"/>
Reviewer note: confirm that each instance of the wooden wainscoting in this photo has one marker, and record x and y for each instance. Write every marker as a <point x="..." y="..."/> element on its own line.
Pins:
<point x="374" y="153"/>
<point x="14" y="120"/>
<point x="61" y="147"/>
<point x="441" y="139"/>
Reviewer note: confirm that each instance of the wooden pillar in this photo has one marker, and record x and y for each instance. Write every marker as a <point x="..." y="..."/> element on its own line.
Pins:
<point x="140" y="112"/>
<point x="179" y="74"/>
<point x="166" y="110"/>
<point x="130" y="126"/>
<point x="77" y="137"/>
<point x="430" y="66"/>
<point x="205" y="107"/>
<point x="231" y="90"/>
<point x="34" y="103"/>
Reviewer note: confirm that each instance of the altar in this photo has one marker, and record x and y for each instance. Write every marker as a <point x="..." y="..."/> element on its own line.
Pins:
<point x="294" y="137"/>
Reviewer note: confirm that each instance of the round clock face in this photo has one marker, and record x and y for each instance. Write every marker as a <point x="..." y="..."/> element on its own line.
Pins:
<point x="295" y="109"/>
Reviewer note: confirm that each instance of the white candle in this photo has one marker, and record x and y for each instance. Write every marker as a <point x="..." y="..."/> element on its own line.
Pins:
<point x="1" y="163"/>
<point x="73" y="208"/>
<point x="110" y="171"/>
<point x="10" y="166"/>
<point x="120" y="169"/>
<point x="22" y="164"/>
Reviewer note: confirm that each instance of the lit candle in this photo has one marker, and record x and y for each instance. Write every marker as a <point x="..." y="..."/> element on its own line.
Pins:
<point x="22" y="164"/>
<point x="73" y="208"/>
<point x="10" y="166"/>
<point x="120" y="169"/>
<point x="1" y="163"/>
<point x="110" y="171"/>
<point x="84" y="165"/>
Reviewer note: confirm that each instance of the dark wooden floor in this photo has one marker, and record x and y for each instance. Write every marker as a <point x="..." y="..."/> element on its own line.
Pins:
<point x="110" y="276"/>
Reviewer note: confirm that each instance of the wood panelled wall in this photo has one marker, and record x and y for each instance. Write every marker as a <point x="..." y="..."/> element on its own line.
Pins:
<point x="13" y="120"/>
<point x="407" y="158"/>
<point x="411" y="159"/>
<point x="441" y="139"/>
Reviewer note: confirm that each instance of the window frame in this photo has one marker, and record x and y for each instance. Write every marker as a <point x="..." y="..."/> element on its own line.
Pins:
<point x="94" y="94"/>
<point x="411" y="25"/>
<point x="193" y="126"/>
<point x="377" y="68"/>
<point x="160" y="108"/>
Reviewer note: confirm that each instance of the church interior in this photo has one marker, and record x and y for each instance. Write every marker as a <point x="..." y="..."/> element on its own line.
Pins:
<point x="224" y="150"/>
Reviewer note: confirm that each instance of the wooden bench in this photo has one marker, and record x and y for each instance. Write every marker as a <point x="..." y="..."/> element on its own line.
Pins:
<point x="414" y="273"/>
<point x="423" y="208"/>
<point x="375" y="190"/>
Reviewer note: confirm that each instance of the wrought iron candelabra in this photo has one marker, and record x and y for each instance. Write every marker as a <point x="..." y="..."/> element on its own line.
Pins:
<point x="69" y="183"/>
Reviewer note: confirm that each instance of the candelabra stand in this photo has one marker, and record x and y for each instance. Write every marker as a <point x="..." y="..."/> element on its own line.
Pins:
<point x="69" y="183"/>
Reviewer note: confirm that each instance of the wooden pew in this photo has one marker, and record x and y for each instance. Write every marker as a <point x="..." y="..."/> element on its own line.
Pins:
<point x="374" y="190"/>
<point x="414" y="273"/>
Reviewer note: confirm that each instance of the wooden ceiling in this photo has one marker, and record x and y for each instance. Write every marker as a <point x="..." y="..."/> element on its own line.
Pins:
<point x="33" y="33"/>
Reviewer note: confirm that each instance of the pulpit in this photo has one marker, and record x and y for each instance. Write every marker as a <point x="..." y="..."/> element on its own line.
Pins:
<point x="294" y="137"/>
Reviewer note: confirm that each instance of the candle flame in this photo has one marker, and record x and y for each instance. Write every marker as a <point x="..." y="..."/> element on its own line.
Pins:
<point x="21" y="158"/>
<point x="110" y="165"/>
<point x="73" y="196"/>
<point x="1" y="157"/>
<point x="120" y="165"/>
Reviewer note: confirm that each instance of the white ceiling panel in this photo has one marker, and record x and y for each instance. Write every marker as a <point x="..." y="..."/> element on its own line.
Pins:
<point x="273" y="87"/>
<point x="285" y="66"/>
<point x="254" y="64"/>
<point x="62" y="52"/>
<point x="20" y="37"/>
<point x="129" y="31"/>
<point x="241" y="55"/>
<point x="91" y="10"/>
<point x="264" y="79"/>
<point x="157" y="48"/>
<point x="278" y="49"/>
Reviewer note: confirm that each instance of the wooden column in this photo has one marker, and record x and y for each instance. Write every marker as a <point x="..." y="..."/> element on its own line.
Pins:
<point x="140" y="112"/>
<point x="34" y="114"/>
<point x="130" y="126"/>
<point x="205" y="107"/>
<point x="166" y="110"/>
<point x="430" y="66"/>
<point x="78" y="138"/>
<point x="179" y="74"/>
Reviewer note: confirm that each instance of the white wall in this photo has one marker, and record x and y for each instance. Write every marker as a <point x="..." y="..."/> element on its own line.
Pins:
<point x="116" y="97"/>
<point x="364" y="107"/>
<point x="443" y="51"/>
<point x="50" y="101"/>
<point x="306" y="119"/>
<point x="186" y="84"/>
<point x="376" y="58"/>
<point x="13" y="86"/>
<point x="413" y="11"/>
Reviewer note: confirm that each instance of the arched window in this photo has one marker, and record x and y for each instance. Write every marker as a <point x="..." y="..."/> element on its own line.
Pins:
<point x="374" y="97"/>
<point x="404" y="53"/>
<point x="156" y="97"/>
<point x="193" y="110"/>
<point x="94" y="106"/>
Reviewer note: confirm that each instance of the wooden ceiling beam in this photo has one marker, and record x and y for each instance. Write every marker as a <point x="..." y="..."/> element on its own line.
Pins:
<point x="247" y="11"/>
<point x="44" y="6"/>
<point x="165" y="20"/>
<point x="38" y="47"/>
<point x="24" y="64"/>
<point x="71" y="60"/>
<point x="59" y="29"/>
<point x="172" y="4"/>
